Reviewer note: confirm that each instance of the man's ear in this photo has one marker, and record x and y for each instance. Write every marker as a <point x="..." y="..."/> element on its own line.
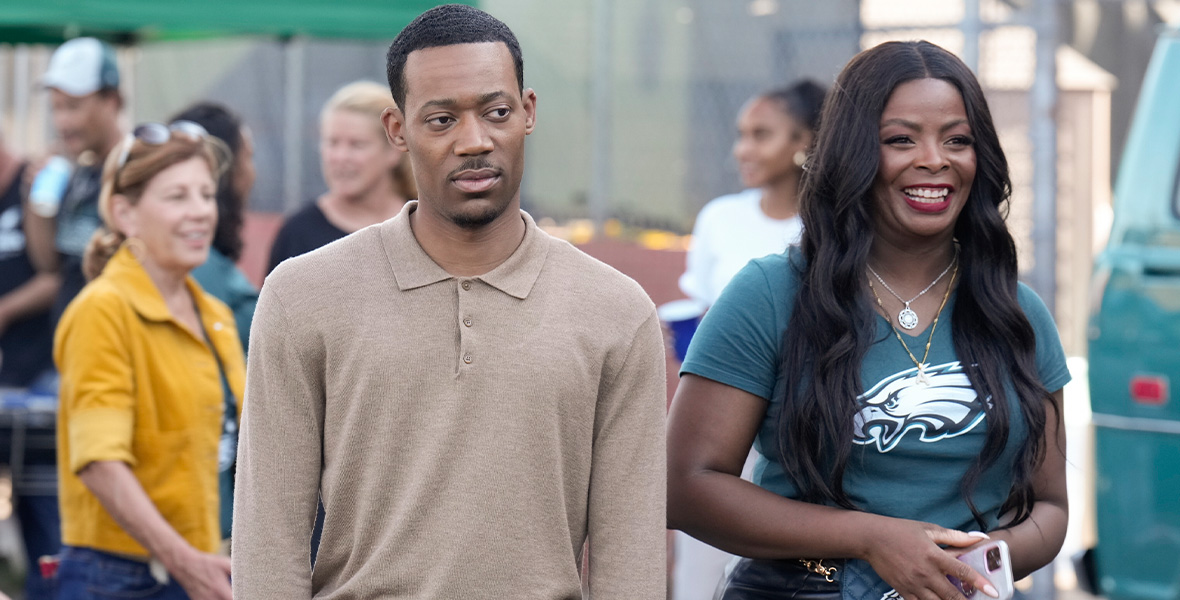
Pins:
<point x="530" y="110"/>
<point x="395" y="126"/>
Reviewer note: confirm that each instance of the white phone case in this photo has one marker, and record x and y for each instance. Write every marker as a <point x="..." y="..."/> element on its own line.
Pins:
<point x="989" y="558"/>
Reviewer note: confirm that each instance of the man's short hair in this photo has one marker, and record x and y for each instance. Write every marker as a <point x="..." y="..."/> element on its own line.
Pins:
<point x="447" y="25"/>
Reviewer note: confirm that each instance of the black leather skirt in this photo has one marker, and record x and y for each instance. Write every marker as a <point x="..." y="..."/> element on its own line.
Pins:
<point x="755" y="579"/>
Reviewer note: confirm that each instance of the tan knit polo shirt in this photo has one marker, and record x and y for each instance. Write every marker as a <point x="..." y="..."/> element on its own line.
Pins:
<point x="467" y="434"/>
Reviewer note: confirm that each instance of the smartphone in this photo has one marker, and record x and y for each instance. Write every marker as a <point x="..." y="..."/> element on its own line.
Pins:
<point x="990" y="559"/>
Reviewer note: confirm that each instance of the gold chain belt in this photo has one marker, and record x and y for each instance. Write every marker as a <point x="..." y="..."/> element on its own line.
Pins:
<point x="817" y="567"/>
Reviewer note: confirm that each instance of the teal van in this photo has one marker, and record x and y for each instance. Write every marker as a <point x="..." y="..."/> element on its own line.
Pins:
<point x="1134" y="349"/>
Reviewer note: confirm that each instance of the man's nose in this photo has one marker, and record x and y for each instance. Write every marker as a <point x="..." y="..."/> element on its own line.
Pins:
<point x="473" y="138"/>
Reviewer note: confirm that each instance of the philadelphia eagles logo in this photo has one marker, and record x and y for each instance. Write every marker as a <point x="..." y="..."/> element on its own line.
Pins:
<point x="942" y="405"/>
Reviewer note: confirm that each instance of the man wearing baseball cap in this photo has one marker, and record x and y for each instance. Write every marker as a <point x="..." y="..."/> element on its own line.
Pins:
<point x="83" y="83"/>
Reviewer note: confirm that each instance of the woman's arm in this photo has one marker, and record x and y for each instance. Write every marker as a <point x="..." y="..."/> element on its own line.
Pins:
<point x="203" y="576"/>
<point x="1037" y="541"/>
<point x="710" y="430"/>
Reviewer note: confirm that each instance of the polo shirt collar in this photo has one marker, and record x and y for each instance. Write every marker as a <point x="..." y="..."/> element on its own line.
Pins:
<point x="413" y="268"/>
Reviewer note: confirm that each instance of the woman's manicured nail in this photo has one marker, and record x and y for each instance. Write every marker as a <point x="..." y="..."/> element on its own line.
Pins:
<point x="979" y="534"/>
<point x="990" y="590"/>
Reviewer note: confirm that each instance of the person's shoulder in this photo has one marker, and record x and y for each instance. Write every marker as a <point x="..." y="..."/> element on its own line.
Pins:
<point x="335" y="260"/>
<point x="782" y="269"/>
<point x="1031" y="303"/>
<point x="309" y="216"/>
<point x="216" y="266"/>
<point x="592" y="278"/>
<point x="99" y="299"/>
<point x="102" y="291"/>
<point x="1028" y="297"/>
<point x="730" y="203"/>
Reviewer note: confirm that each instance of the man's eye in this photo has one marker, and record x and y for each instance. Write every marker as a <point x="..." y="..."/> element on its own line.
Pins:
<point x="500" y="113"/>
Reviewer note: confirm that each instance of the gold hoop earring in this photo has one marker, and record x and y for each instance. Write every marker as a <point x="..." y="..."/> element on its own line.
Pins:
<point x="136" y="247"/>
<point x="800" y="158"/>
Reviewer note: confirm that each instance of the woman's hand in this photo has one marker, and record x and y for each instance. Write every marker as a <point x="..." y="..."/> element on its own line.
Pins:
<point x="908" y="556"/>
<point x="203" y="576"/>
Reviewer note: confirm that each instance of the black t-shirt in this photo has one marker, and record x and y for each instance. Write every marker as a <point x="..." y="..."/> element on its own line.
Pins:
<point x="303" y="232"/>
<point x="27" y="345"/>
<point x="76" y="223"/>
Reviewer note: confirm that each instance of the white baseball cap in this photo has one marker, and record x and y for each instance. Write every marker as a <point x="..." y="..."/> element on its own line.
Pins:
<point x="82" y="66"/>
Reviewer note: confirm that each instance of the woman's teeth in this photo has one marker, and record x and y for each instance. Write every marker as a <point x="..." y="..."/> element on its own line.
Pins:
<point x="927" y="194"/>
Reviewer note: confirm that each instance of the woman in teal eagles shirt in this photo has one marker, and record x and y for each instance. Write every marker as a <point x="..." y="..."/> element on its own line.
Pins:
<point x="902" y="389"/>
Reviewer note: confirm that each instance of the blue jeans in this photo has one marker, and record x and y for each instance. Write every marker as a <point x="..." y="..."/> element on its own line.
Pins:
<point x="87" y="574"/>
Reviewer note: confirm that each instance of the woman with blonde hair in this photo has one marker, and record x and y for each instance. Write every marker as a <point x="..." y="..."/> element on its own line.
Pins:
<point x="368" y="179"/>
<point x="152" y="374"/>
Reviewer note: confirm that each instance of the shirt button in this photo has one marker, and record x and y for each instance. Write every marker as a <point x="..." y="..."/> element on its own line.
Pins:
<point x="466" y="285"/>
<point x="467" y="358"/>
<point x="217" y="326"/>
<point x="467" y="321"/>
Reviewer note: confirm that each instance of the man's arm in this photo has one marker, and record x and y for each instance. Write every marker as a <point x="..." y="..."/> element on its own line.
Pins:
<point x="40" y="232"/>
<point x="34" y="296"/>
<point x="627" y="483"/>
<point x="279" y="456"/>
<point x="37" y="294"/>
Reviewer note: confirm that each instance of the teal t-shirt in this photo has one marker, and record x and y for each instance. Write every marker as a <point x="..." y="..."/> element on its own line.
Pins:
<point x="222" y="279"/>
<point x="913" y="443"/>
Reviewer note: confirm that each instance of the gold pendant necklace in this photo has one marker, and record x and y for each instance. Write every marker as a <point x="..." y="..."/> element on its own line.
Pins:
<point x="923" y="379"/>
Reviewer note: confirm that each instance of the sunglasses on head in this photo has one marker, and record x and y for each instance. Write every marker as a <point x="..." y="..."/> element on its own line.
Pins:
<point x="154" y="134"/>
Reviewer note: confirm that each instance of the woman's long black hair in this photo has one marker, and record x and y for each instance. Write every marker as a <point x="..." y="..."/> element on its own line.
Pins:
<point x="832" y="324"/>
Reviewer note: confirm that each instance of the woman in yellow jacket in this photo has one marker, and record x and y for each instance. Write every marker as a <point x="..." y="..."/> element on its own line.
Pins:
<point x="152" y="374"/>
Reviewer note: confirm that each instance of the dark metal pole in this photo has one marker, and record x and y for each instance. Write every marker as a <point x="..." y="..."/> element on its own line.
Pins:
<point x="1043" y="131"/>
<point x="601" y="101"/>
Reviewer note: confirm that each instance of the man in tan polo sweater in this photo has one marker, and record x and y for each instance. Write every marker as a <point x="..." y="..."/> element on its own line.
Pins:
<point x="472" y="399"/>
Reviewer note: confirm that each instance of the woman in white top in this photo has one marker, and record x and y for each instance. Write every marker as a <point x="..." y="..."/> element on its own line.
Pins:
<point x="775" y="131"/>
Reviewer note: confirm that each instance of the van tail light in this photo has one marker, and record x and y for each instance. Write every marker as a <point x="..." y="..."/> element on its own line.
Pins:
<point x="1149" y="389"/>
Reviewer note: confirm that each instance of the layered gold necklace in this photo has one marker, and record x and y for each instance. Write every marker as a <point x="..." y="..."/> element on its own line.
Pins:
<point x="923" y="378"/>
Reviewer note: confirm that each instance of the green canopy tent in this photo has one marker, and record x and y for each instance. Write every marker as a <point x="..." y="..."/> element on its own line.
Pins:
<point x="129" y="21"/>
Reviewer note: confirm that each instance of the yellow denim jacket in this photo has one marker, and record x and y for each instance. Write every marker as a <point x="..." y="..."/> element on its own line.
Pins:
<point x="139" y="387"/>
